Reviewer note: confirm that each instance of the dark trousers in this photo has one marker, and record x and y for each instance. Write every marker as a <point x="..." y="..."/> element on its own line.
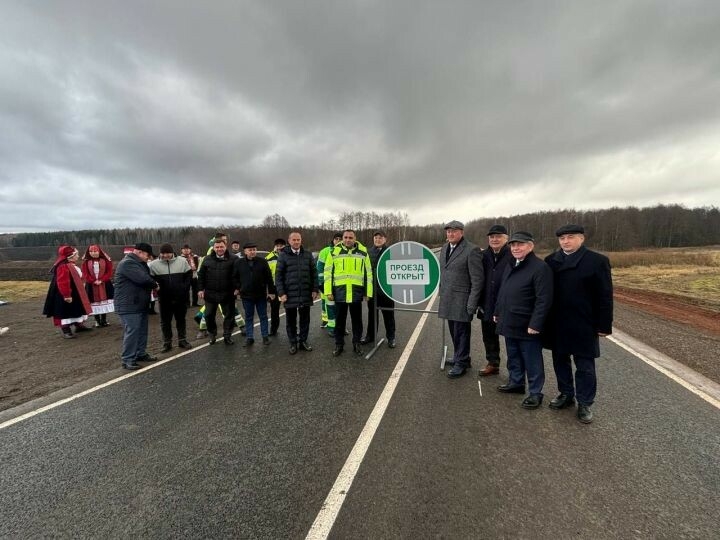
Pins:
<point x="585" y="385"/>
<point x="356" y="319"/>
<point x="169" y="308"/>
<point x="460" y="335"/>
<point x="194" y="291"/>
<point x="274" y="315"/>
<point x="135" y="335"/>
<point x="491" y="341"/>
<point x="228" y="309"/>
<point x="388" y="316"/>
<point x="250" y="306"/>
<point x="291" y="323"/>
<point x="525" y="358"/>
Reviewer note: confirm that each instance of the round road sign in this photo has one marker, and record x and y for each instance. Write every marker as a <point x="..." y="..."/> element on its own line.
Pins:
<point x="408" y="272"/>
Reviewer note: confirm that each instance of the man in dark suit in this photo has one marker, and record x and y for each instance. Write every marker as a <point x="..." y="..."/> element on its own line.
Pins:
<point x="522" y="308"/>
<point x="461" y="283"/>
<point x="582" y="312"/>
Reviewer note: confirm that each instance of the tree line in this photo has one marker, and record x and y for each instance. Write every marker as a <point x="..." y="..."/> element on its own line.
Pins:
<point x="612" y="229"/>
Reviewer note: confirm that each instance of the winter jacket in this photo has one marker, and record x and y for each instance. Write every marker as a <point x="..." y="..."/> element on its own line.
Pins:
<point x="173" y="276"/>
<point x="461" y="281"/>
<point x="253" y="278"/>
<point x="494" y="266"/>
<point x="525" y="298"/>
<point x="296" y="277"/>
<point x="133" y="284"/>
<point x="215" y="277"/>
<point x="348" y="273"/>
<point x="583" y="302"/>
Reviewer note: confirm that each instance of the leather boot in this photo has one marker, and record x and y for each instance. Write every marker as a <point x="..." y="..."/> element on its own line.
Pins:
<point x="66" y="332"/>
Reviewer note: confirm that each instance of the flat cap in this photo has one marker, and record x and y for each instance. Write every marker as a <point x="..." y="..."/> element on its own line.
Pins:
<point x="454" y="224"/>
<point x="570" y="228"/>
<point x="379" y="233"/>
<point x="248" y="245"/>
<point x="497" y="229"/>
<point x="521" y="236"/>
<point x="147" y="248"/>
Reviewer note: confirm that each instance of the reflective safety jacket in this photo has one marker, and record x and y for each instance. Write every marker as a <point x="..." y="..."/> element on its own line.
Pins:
<point x="322" y="257"/>
<point x="272" y="259"/>
<point x="348" y="273"/>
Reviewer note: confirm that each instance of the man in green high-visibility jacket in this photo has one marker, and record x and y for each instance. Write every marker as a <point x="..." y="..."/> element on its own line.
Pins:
<point x="348" y="280"/>
<point x="327" y="319"/>
<point x="272" y="259"/>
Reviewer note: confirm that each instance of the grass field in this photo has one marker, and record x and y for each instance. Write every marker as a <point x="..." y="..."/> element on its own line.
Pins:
<point x="15" y="291"/>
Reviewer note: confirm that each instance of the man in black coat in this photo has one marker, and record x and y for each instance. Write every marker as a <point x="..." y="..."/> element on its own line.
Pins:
<point x="582" y="312"/>
<point x="379" y="246"/>
<point x="254" y="280"/>
<point x="216" y="287"/>
<point x="496" y="258"/>
<point x="296" y="284"/>
<point x="523" y="305"/>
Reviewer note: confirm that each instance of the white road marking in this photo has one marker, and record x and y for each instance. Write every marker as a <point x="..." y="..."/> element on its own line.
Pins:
<point x="681" y="374"/>
<point x="325" y="519"/>
<point x="480" y="388"/>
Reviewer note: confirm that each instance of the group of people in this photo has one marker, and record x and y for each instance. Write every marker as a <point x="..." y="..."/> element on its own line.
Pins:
<point x="563" y="303"/>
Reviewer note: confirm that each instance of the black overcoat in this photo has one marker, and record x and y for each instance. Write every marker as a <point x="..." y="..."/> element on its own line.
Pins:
<point x="254" y="281"/>
<point x="525" y="298"/>
<point x="215" y="277"/>
<point x="582" y="304"/>
<point x="494" y="267"/>
<point x="296" y="276"/>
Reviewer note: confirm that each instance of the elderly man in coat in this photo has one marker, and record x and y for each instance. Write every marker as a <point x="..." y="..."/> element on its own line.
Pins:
<point x="461" y="283"/>
<point x="522" y="307"/>
<point x="582" y="311"/>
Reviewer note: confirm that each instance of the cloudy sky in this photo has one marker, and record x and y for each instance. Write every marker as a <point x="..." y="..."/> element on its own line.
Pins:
<point x="153" y="113"/>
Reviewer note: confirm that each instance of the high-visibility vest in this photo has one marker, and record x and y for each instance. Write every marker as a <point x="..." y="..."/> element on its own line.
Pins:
<point x="348" y="273"/>
<point x="272" y="259"/>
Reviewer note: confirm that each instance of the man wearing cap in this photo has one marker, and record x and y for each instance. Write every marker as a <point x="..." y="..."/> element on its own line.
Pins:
<point x="582" y="311"/>
<point x="173" y="275"/>
<point x="254" y="281"/>
<point x="215" y="281"/>
<point x="522" y="308"/>
<point x="272" y="259"/>
<point x="461" y="284"/>
<point x="133" y="284"/>
<point x="379" y="297"/>
<point x="496" y="258"/>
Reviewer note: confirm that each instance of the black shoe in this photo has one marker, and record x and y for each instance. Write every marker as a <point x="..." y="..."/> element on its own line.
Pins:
<point x="304" y="346"/>
<point x="104" y="324"/>
<point x="584" y="414"/>
<point x="229" y="341"/>
<point x="266" y="340"/>
<point x="507" y="389"/>
<point x="293" y="349"/>
<point x="456" y="372"/>
<point x="562" y="401"/>
<point x="82" y="328"/>
<point x="248" y="342"/>
<point x="146" y="358"/>
<point x="391" y="343"/>
<point x="131" y="367"/>
<point x="184" y="344"/>
<point x="357" y="349"/>
<point x="323" y="324"/>
<point x="272" y="333"/>
<point x="531" y="402"/>
<point x="366" y="340"/>
<point x="66" y="333"/>
<point x="338" y="350"/>
<point x="213" y="339"/>
<point x="166" y="347"/>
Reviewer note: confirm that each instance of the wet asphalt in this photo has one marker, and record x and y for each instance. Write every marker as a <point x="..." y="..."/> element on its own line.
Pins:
<point x="233" y="442"/>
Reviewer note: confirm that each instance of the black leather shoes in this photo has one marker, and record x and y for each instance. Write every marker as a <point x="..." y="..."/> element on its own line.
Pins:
<point x="304" y="346"/>
<point x="266" y="340"/>
<point x="293" y="348"/>
<point x="146" y="358"/>
<point x="357" y="349"/>
<point x="228" y="340"/>
<point x="184" y="344"/>
<point x="131" y="367"/>
<point x="507" y="389"/>
<point x="584" y="414"/>
<point x="531" y="402"/>
<point x="562" y="401"/>
<point x="248" y="342"/>
<point x="213" y="339"/>
<point x="456" y="371"/>
<point x="166" y="347"/>
<point x="391" y="343"/>
<point x="366" y="340"/>
<point x="338" y="350"/>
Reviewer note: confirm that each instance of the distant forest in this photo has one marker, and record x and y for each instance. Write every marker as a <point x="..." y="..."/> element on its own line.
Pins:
<point x="613" y="229"/>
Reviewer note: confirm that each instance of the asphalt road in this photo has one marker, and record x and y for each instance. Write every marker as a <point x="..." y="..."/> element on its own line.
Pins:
<point x="228" y="442"/>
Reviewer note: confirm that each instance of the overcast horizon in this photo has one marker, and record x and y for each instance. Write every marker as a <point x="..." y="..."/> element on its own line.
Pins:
<point x="153" y="115"/>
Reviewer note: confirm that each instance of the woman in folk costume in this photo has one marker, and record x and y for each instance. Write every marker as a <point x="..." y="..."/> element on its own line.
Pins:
<point x="66" y="301"/>
<point x="97" y="269"/>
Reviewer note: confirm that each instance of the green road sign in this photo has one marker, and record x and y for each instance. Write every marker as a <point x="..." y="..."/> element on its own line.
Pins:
<point x="408" y="272"/>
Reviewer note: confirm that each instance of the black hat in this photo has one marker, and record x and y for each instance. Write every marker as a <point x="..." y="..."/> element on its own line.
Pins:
<point x="337" y="235"/>
<point x="166" y="248"/>
<point x="379" y="233"/>
<point x="186" y="246"/>
<point x="248" y="245"/>
<point x="147" y="248"/>
<point x="455" y="224"/>
<point x="279" y="242"/>
<point x="521" y="236"/>
<point x="497" y="229"/>
<point x="570" y="228"/>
